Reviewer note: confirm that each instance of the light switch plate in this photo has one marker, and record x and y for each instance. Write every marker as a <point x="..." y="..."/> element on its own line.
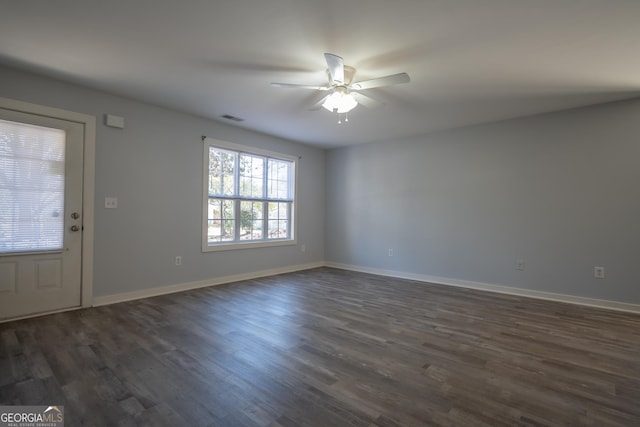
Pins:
<point x="110" y="203"/>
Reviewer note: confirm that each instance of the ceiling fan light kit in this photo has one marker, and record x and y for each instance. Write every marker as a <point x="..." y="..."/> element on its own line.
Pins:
<point x="341" y="100"/>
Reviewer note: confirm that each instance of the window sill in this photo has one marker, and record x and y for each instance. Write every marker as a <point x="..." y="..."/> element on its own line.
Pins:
<point x="246" y="245"/>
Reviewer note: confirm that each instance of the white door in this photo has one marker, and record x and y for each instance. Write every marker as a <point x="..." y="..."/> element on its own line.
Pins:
<point x="41" y="160"/>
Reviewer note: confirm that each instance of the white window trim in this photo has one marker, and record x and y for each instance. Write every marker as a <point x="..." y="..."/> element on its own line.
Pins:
<point x="208" y="142"/>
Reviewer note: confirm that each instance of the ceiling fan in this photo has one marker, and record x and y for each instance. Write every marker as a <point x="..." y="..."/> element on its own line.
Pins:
<point x="344" y="94"/>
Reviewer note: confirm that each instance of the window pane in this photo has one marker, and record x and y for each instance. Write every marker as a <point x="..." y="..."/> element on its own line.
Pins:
<point x="31" y="187"/>
<point x="220" y="221"/>
<point x="222" y="165"/>
<point x="279" y="177"/>
<point x="278" y="221"/>
<point x="251" y="220"/>
<point x="251" y="176"/>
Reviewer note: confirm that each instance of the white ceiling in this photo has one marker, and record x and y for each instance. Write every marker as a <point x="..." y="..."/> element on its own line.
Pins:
<point x="470" y="61"/>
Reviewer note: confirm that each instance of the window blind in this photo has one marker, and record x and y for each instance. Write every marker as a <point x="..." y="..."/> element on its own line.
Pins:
<point x="32" y="172"/>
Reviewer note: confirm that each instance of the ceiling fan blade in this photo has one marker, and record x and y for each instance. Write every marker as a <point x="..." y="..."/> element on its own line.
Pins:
<point x="393" y="79"/>
<point x="318" y="105"/>
<point x="365" y="100"/>
<point x="294" y="86"/>
<point x="336" y="67"/>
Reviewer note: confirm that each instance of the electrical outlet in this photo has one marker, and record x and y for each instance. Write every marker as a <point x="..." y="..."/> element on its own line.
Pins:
<point x="520" y="264"/>
<point x="303" y="248"/>
<point x="390" y="251"/>
<point x="178" y="260"/>
<point x="598" y="272"/>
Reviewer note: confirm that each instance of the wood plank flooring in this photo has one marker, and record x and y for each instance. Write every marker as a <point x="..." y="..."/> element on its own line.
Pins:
<point x="327" y="347"/>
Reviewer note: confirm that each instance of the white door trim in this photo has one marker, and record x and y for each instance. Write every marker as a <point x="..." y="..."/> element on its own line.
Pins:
<point x="88" y="187"/>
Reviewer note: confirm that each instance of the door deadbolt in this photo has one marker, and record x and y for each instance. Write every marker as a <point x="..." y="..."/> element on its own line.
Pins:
<point x="75" y="228"/>
<point x="75" y="215"/>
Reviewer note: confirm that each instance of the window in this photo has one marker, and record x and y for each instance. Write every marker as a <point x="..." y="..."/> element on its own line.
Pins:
<point x="248" y="197"/>
<point x="32" y="167"/>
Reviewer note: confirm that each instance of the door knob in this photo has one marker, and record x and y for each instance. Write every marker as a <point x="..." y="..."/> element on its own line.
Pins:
<point x="75" y="228"/>
<point x="75" y="215"/>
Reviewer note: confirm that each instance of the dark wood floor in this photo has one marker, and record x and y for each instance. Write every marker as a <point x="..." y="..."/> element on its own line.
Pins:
<point x="327" y="347"/>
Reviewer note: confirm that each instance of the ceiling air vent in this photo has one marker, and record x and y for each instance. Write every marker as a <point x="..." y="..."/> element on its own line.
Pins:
<point x="230" y="117"/>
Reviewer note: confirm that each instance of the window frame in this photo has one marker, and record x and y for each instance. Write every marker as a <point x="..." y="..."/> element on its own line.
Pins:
<point x="253" y="151"/>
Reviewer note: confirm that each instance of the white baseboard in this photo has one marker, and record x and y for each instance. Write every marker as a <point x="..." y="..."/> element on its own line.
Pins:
<point x="591" y="302"/>
<point x="571" y="299"/>
<point x="152" y="292"/>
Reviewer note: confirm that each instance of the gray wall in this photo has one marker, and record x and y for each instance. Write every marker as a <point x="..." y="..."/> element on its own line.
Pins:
<point x="154" y="168"/>
<point x="561" y="191"/>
